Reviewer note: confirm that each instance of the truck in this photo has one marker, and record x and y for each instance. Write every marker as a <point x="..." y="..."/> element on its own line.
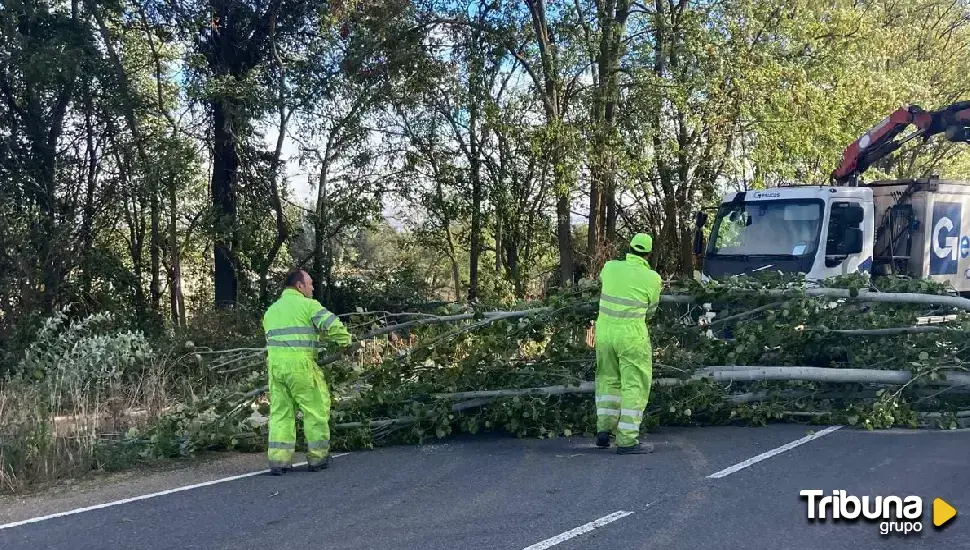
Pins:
<point x="917" y="227"/>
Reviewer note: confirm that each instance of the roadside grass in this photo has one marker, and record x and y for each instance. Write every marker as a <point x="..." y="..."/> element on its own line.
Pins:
<point x="51" y="430"/>
<point x="82" y="395"/>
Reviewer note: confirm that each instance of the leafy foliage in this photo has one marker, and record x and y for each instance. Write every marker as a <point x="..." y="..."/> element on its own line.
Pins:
<point x="387" y="394"/>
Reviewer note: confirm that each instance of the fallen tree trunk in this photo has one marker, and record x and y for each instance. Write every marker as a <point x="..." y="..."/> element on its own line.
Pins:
<point x="957" y="414"/>
<point x="746" y="314"/>
<point x="754" y="397"/>
<point x="893" y="331"/>
<point x="474" y="403"/>
<point x="883" y="297"/>
<point x="845" y="294"/>
<point x="746" y="374"/>
<point x="825" y="374"/>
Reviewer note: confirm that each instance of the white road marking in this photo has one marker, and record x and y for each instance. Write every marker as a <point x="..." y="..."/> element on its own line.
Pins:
<point x="771" y="453"/>
<point x="144" y="497"/>
<point x="562" y="537"/>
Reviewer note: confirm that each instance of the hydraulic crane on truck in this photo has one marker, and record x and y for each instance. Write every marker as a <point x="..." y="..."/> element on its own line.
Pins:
<point x="953" y="121"/>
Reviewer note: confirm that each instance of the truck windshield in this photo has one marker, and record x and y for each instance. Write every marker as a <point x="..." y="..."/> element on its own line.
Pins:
<point x="767" y="228"/>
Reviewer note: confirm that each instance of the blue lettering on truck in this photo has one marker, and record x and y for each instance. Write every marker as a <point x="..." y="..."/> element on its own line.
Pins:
<point x="947" y="246"/>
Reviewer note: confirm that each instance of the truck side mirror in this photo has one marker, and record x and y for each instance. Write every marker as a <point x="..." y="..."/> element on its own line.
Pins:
<point x="852" y="240"/>
<point x="699" y="242"/>
<point x="700" y="219"/>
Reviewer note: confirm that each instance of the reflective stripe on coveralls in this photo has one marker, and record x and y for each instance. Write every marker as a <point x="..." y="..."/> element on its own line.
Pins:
<point x="624" y="356"/>
<point x="292" y="326"/>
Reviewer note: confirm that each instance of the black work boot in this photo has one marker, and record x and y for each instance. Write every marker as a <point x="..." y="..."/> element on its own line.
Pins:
<point x="638" y="449"/>
<point x="603" y="439"/>
<point x="322" y="466"/>
<point x="278" y="471"/>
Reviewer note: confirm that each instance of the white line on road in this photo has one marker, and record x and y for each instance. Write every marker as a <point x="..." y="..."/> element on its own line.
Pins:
<point x="771" y="453"/>
<point x="562" y="537"/>
<point x="144" y="497"/>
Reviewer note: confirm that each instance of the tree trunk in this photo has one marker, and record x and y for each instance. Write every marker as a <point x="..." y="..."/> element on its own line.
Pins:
<point x="452" y="255"/>
<point x="551" y="88"/>
<point x="136" y="229"/>
<point x="88" y="212"/>
<point x="224" y="175"/>
<point x="147" y="166"/>
<point x="512" y="266"/>
<point x="175" y="270"/>
<point x="321" y="290"/>
<point x="155" y="241"/>
<point x="563" y="228"/>
<point x="499" y="236"/>
<point x="613" y="27"/>
<point x="592" y="235"/>
<point x="476" y="176"/>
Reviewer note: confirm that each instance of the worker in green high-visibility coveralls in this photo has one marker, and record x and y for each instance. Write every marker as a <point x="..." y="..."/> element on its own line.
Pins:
<point x="624" y="356"/>
<point x="293" y="325"/>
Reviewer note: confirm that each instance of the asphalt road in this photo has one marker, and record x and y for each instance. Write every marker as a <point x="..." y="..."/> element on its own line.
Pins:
<point x="504" y="493"/>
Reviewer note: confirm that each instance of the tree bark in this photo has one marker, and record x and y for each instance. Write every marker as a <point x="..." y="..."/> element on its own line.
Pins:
<point x="155" y="242"/>
<point x="476" y="177"/>
<point x="224" y="176"/>
<point x="88" y="211"/>
<point x="232" y="49"/>
<point x="322" y="272"/>
<point x="175" y="273"/>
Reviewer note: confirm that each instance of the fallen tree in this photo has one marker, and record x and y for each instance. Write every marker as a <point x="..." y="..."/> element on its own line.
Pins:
<point x="774" y="350"/>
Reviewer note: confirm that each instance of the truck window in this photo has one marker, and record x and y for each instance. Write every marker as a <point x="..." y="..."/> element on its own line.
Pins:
<point x="772" y="228"/>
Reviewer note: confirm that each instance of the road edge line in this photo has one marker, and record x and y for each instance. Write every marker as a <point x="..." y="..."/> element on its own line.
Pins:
<point x="144" y="497"/>
<point x="768" y="454"/>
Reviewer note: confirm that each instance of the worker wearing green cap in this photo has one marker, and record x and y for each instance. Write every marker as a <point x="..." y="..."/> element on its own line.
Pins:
<point x="624" y="356"/>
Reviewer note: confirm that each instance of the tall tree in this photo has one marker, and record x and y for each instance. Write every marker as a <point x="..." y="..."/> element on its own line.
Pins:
<point x="45" y="52"/>
<point x="235" y="39"/>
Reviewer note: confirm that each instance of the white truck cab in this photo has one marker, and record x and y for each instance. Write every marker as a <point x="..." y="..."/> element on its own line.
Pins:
<point x="820" y="231"/>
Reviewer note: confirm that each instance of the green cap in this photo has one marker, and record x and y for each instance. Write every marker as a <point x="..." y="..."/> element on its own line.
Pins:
<point x="642" y="242"/>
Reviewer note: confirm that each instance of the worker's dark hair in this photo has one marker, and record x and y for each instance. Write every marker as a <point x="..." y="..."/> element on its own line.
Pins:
<point x="638" y="253"/>
<point x="294" y="276"/>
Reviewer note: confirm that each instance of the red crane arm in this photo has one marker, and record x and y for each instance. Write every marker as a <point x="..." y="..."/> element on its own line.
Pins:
<point x="953" y="121"/>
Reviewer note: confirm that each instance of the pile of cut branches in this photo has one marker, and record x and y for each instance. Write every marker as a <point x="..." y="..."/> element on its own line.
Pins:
<point x="749" y="350"/>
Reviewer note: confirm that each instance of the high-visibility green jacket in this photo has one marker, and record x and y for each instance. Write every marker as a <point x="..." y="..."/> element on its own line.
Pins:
<point x="630" y="291"/>
<point x="294" y="323"/>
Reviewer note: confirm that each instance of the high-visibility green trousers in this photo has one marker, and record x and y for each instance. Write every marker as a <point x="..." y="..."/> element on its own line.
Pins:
<point x="297" y="382"/>
<point x="624" y="374"/>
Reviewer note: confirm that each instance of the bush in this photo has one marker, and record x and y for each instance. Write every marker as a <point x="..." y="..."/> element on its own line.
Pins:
<point x="76" y="384"/>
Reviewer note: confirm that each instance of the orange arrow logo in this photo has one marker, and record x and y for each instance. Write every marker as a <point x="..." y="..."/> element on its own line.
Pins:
<point x="942" y="512"/>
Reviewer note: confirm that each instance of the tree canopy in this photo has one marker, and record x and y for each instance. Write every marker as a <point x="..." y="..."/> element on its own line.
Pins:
<point x="161" y="158"/>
